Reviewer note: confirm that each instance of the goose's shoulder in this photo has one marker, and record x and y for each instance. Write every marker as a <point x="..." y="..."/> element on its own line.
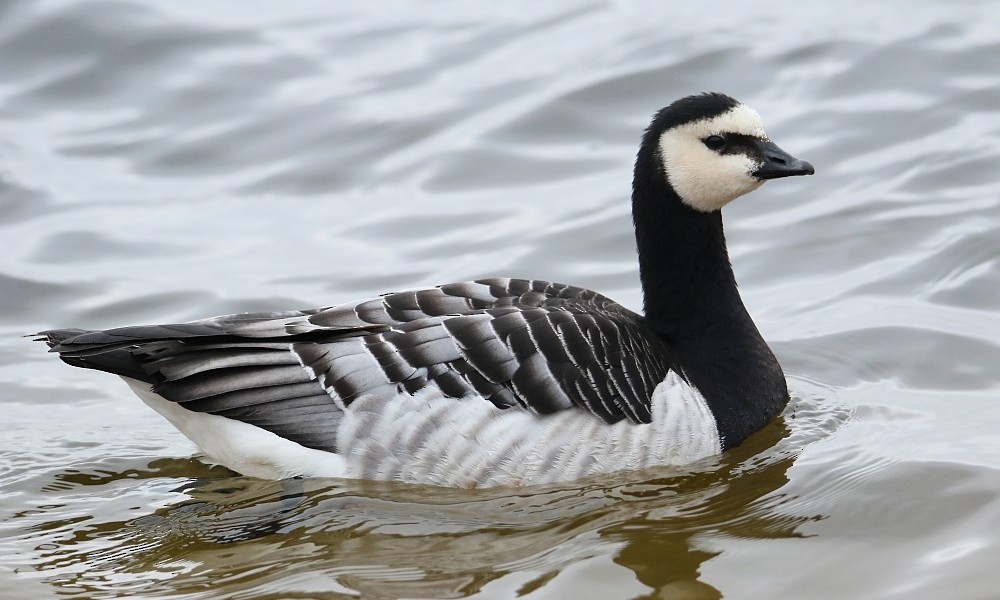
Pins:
<point x="531" y="344"/>
<point x="464" y="298"/>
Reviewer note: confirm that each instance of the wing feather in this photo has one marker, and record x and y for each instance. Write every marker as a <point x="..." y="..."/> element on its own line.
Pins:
<point x="536" y="345"/>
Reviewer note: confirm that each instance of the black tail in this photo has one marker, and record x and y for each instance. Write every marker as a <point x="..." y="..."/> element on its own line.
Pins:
<point x="257" y="380"/>
<point x="110" y="358"/>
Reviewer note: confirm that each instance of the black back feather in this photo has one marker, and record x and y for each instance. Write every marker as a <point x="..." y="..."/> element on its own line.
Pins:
<point x="521" y="344"/>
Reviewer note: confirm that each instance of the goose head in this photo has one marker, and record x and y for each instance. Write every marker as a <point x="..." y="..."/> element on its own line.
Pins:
<point x="713" y="149"/>
<point x="697" y="155"/>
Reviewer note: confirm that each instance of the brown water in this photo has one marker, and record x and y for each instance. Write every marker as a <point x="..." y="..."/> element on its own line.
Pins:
<point x="165" y="161"/>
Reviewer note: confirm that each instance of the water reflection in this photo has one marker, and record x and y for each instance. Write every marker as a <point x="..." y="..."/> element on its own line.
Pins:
<point x="386" y="540"/>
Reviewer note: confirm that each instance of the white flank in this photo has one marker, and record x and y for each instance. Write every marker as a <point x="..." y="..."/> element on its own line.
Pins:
<point x="242" y="447"/>
<point x="432" y="439"/>
<point x="704" y="179"/>
<point x="428" y="438"/>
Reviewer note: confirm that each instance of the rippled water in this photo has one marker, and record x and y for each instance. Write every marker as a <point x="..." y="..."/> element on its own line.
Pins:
<point x="165" y="161"/>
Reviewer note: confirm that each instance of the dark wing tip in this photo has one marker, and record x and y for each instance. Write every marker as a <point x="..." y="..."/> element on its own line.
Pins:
<point x="55" y="337"/>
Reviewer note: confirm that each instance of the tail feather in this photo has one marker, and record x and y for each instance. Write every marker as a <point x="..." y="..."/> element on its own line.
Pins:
<point x="110" y="358"/>
<point x="203" y="368"/>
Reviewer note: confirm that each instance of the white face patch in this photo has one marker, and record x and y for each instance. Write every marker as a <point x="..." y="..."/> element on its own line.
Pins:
<point x="704" y="179"/>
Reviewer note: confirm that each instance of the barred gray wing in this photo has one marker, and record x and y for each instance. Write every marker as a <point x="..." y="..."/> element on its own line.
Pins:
<point x="520" y="344"/>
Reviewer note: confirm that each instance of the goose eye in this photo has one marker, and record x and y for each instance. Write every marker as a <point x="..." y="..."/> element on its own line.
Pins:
<point x="715" y="142"/>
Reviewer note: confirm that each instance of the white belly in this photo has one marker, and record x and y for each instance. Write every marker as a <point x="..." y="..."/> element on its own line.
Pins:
<point x="428" y="438"/>
<point x="244" y="448"/>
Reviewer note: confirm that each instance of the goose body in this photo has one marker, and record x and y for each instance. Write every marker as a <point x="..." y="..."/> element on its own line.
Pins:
<point x="495" y="381"/>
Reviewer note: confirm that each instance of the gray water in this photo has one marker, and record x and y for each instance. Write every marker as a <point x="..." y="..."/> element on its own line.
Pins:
<point x="165" y="161"/>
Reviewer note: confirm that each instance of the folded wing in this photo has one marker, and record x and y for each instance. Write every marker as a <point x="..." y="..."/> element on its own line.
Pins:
<point x="520" y="344"/>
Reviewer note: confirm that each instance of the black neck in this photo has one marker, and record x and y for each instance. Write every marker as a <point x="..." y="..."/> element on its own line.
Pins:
<point x="689" y="289"/>
<point x="690" y="298"/>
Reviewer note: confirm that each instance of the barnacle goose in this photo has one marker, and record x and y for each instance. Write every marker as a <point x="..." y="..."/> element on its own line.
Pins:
<point x="494" y="382"/>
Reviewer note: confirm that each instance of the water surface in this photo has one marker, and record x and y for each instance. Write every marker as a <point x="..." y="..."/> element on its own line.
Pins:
<point x="162" y="161"/>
